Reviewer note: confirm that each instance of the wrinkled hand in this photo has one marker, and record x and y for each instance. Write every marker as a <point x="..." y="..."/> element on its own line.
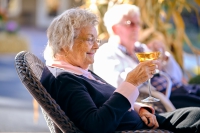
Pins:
<point x="148" y="118"/>
<point x="142" y="72"/>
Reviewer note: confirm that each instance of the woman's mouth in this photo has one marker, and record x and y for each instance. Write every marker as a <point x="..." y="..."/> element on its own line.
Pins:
<point x="90" y="54"/>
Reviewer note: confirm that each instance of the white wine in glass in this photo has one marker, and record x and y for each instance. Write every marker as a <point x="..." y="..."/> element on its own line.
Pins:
<point x="146" y="56"/>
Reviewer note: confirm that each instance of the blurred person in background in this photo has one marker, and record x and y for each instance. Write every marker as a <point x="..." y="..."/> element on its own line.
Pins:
<point x="88" y="100"/>
<point x="117" y="57"/>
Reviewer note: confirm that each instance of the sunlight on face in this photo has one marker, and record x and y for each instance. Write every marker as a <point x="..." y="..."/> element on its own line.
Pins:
<point x="129" y="29"/>
<point x="84" y="48"/>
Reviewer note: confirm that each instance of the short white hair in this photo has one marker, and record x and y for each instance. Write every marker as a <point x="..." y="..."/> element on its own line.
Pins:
<point x="65" y="28"/>
<point x="115" y="14"/>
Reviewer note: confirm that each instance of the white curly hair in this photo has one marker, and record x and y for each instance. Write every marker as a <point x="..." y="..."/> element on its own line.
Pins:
<point x="115" y="14"/>
<point x="65" y="28"/>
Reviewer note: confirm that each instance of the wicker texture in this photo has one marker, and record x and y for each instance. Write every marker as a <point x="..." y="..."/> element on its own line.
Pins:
<point x="29" y="69"/>
<point x="49" y="122"/>
<point x="146" y="131"/>
<point x="24" y="61"/>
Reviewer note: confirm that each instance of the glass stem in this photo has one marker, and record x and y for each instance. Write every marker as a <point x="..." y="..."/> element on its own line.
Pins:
<point x="149" y="87"/>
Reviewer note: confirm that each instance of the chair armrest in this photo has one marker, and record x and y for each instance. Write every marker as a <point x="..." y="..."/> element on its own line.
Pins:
<point x="163" y="99"/>
<point x="169" y="85"/>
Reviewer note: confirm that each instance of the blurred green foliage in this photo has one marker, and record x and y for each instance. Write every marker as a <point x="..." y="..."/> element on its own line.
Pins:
<point x="161" y="19"/>
<point x="195" y="80"/>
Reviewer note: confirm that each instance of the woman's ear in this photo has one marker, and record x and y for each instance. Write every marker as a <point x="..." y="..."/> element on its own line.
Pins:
<point x="64" y="50"/>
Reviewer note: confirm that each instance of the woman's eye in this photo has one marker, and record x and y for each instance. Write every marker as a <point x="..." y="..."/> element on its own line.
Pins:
<point x="89" y="39"/>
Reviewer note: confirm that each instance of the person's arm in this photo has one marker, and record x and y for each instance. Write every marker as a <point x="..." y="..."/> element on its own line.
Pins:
<point x="172" y="68"/>
<point x="79" y="106"/>
<point x="138" y="106"/>
<point x="168" y="63"/>
<point x="131" y="93"/>
<point x="77" y="100"/>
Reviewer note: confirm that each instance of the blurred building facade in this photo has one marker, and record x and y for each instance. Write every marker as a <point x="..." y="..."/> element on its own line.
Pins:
<point x="38" y="13"/>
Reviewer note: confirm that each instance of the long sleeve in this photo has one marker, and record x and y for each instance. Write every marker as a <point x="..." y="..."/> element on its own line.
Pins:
<point x="129" y="91"/>
<point x="91" y="105"/>
<point x="173" y="69"/>
<point x="75" y="99"/>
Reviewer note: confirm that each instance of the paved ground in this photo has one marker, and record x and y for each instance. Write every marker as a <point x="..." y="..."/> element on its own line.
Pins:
<point x="16" y="110"/>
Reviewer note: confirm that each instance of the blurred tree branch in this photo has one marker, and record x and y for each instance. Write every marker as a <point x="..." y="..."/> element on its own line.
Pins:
<point x="161" y="19"/>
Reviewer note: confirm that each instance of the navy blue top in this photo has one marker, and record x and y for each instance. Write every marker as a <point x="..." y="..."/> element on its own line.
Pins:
<point x="92" y="106"/>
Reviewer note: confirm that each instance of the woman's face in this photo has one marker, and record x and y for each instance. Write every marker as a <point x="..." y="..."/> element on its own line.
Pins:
<point x="84" y="48"/>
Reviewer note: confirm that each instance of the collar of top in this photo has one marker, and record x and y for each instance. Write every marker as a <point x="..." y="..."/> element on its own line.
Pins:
<point x="69" y="68"/>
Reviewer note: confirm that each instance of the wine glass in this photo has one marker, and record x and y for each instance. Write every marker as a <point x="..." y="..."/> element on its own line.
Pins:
<point x="145" y="56"/>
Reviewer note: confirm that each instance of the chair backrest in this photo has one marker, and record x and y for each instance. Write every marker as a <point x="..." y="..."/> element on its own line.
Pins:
<point x="29" y="69"/>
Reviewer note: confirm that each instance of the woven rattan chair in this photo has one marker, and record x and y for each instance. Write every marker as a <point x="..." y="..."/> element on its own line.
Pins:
<point x="29" y="69"/>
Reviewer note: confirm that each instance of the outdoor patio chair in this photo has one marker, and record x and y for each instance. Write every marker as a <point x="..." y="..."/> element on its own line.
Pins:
<point x="165" y="105"/>
<point x="29" y="69"/>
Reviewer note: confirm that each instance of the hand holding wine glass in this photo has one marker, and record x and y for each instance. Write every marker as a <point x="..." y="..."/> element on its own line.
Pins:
<point x="143" y="57"/>
<point x="142" y="72"/>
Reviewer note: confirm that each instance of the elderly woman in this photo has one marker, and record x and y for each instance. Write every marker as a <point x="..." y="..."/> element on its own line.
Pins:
<point x="90" y="102"/>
